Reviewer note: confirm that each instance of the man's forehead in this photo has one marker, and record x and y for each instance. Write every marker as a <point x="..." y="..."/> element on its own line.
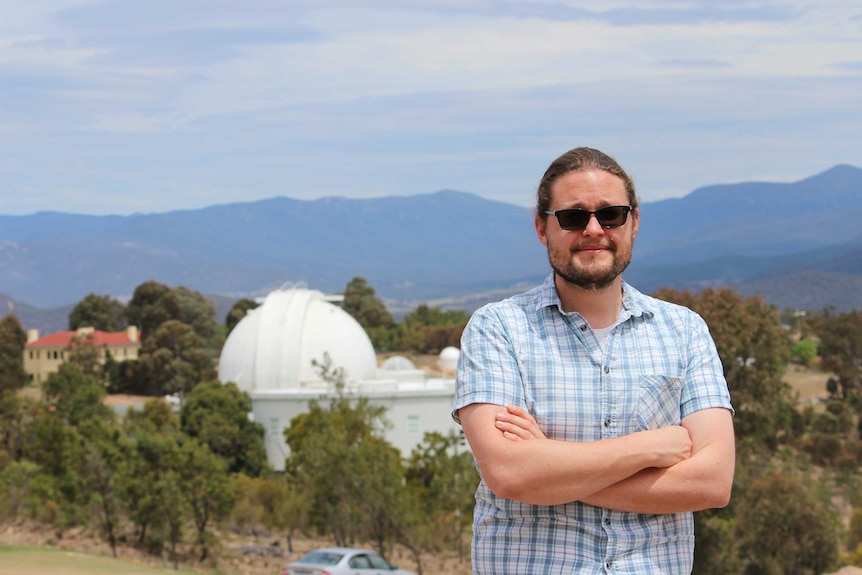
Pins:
<point x="590" y="181"/>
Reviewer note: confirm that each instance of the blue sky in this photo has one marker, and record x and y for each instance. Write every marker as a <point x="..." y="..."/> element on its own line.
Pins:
<point x="116" y="107"/>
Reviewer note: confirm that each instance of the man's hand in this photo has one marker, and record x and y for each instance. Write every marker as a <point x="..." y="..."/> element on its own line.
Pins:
<point x="516" y="424"/>
<point x="526" y="466"/>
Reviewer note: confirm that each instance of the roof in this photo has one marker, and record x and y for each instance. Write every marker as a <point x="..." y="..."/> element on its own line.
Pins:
<point x="99" y="338"/>
<point x="275" y="346"/>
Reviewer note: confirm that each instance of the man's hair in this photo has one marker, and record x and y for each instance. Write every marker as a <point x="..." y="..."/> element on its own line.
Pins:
<point x="580" y="160"/>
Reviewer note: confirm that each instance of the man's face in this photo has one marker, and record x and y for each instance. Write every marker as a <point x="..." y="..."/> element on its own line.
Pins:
<point x="594" y="257"/>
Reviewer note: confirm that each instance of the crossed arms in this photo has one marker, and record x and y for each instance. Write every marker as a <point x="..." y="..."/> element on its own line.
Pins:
<point x="669" y="470"/>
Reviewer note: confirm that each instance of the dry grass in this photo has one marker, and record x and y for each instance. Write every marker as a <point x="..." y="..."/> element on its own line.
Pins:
<point x="809" y="383"/>
<point x="28" y="549"/>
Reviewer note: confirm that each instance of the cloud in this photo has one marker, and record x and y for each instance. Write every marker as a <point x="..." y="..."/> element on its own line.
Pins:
<point x="191" y="103"/>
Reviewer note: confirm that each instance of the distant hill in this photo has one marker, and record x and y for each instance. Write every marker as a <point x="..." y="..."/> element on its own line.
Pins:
<point x="449" y="247"/>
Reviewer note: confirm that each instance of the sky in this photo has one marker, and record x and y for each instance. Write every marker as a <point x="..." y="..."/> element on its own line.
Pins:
<point x="120" y="107"/>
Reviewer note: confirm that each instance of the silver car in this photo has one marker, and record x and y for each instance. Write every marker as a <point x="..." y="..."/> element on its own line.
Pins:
<point x="342" y="561"/>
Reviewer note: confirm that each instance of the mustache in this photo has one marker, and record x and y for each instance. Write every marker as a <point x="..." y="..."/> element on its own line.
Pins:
<point x="594" y="246"/>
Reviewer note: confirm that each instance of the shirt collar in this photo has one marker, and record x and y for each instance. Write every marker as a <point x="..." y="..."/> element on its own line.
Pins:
<point x="635" y="304"/>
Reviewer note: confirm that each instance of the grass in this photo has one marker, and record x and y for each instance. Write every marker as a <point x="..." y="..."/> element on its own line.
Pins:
<point x="16" y="560"/>
<point x="810" y="383"/>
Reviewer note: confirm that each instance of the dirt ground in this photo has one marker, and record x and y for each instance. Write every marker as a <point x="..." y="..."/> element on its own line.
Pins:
<point x="239" y="555"/>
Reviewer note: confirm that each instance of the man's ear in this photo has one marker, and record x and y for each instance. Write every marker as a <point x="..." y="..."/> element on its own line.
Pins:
<point x="541" y="229"/>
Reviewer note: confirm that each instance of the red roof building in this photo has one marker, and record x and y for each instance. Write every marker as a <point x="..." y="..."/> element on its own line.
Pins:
<point x="44" y="355"/>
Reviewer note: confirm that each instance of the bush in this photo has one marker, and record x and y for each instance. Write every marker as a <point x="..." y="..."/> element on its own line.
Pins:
<point x="803" y="351"/>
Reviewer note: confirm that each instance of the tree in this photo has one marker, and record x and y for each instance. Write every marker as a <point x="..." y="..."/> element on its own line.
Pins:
<point x="57" y="448"/>
<point x="76" y="396"/>
<point x="101" y="312"/>
<point x="151" y="305"/>
<point x="754" y="349"/>
<point x="429" y="329"/>
<point x="206" y="488"/>
<point x="804" y="351"/>
<point x="89" y="359"/>
<point x="362" y="303"/>
<point x="172" y="507"/>
<point x="272" y="502"/>
<point x="156" y="437"/>
<point x="348" y="471"/>
<point x="12" y="341"/>
<point x="238" y="311"/>
<point x="217" y="416"/>
<point x="443" y="477"/>
<point x="101" y="468"/>
<point x="841" y="350"/>
<point x="787" y="525"/>
<point x="173" y="359"/>
<point x="12" y="378"/>
<point x="197" y="311"/>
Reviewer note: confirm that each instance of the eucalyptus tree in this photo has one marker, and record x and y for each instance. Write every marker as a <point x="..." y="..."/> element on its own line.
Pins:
<point x="12" y="378"/>
<point x="173" y="360"/>
<point x="362" y="303"/>
<point x="217" y="415"/>
<point x="754" y="350"/>
<point x="101" y="312"/>
<point x="238" y="311"/>
<point x="196" y="310"/>
<point x="152" y="304"/>
<point x="206" y="488"/>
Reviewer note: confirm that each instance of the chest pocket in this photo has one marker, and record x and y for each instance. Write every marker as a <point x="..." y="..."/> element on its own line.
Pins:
<point x="658" y="401"/>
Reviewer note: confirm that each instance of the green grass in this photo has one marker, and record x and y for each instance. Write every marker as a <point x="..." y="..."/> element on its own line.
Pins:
<point x="50" y="561"/>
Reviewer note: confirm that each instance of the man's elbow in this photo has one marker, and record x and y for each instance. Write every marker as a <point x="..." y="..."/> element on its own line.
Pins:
<point x="718" y="495"/>
<point x="504" y="481"/>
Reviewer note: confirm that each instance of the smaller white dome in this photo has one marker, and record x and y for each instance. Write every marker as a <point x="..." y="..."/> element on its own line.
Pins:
<point x="448" y="360"/>
<point x="397" y="363"/>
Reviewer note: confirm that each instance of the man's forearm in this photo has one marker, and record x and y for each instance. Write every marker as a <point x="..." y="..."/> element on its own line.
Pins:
<point x="551" y="472"/>
<point x="701" y="482"/>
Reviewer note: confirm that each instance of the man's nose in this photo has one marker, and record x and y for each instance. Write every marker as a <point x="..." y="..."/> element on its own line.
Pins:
<point x="593" y="226"/>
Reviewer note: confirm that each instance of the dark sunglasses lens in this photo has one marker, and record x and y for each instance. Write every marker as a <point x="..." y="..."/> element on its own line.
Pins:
<point x="612" y="217"/>
<point x="573" y="219"/>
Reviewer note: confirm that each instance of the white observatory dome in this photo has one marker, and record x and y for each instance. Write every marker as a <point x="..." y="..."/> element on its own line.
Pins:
<point x="273" y="346"/>
<point x="397" y="363"/>
<point x="448" y="360"/>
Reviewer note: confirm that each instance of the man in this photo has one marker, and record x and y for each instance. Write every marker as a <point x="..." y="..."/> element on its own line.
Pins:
<point x="599" y="417"/>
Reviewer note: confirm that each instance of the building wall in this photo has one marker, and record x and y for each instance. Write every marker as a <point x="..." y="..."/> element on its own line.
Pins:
<point x="41" y="361"/>
<point x="412" y="413"/>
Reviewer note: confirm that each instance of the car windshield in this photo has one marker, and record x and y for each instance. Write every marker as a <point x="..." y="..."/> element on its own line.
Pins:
<point x="321" y="558"/>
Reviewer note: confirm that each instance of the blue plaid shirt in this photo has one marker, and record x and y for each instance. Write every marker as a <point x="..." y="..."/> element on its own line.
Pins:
<point x="658" y="365"/>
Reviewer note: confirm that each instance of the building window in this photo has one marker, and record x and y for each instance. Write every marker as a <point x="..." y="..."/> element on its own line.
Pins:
<point x="274" y="426"/>
<point x="413" y="423"/>
<point x="31" y="354"/>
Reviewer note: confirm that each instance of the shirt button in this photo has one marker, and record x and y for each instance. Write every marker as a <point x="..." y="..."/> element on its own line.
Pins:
<point x="607" y="369"/>
<point x="607" y="520"/>
<point x="608" y="422"/>
<point x="584" y="327"/>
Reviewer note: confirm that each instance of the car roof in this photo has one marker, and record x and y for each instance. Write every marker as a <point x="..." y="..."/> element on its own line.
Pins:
<point x="343" y="550"/>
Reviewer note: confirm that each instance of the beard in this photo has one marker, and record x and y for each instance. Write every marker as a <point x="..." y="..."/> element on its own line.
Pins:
<point x="594" y="277"/>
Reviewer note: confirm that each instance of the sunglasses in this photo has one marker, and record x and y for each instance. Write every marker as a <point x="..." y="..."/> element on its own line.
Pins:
<point x="576" y="219"/>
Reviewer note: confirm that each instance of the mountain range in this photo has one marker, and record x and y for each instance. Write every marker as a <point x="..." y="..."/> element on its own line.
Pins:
<point x="796" y="244"/>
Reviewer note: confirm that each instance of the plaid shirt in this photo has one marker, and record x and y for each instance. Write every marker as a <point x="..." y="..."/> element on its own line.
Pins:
<point x="658" y="365"/>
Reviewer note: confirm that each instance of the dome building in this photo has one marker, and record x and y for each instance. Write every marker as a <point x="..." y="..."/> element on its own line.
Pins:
<point x="276" y="353"/>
